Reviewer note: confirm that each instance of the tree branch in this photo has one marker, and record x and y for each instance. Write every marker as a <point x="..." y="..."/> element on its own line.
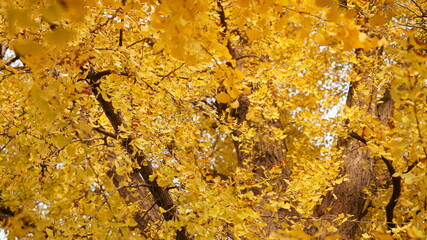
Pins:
<point x="396" y="182"/>
<point x="94" y="81"/>
<point x="105" y="132"/>
<point x="249" y="56"/>
<point x="134" y="186"/>
<point x="160" y="194"/>
<point x="358" y="137"/>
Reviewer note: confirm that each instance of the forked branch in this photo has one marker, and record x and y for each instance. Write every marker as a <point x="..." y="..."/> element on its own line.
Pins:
<point x="160" y="194"/>
<point x="396" y="182"/>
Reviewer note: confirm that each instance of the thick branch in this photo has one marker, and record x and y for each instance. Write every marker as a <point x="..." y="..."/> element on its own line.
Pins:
<point x="107" y="106"/>
<point x="358" y="137"/>
<point x="222" y="18"/>
<point x="396" y="181"/>
<point x="105" y="132"/>
<point x="160" y="194"/>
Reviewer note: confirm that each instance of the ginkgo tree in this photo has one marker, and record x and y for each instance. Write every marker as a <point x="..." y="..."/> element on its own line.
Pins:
<point x="220" y="119"/>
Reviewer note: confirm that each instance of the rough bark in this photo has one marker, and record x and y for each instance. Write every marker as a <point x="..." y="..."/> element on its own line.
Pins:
<point x="349" y="197"/>
<point x="136" y="192"/>
<point x="265" y="153"/>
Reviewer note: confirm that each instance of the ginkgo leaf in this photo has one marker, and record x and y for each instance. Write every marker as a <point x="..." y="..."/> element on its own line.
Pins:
<point x="20" y="17"/>
<point x="246" y="90"/>
<point x="53" y="14"/>
<point x="252" y="34"/>
<point x="27" y="47"/>
<point x="158" y="46"/>
<point x="415" y="233"/>
<point x="324" y="3"/>
<point x="235" y="104"/>
<point x="366" y="235"/>
<point x="332" y="237"/>
<point x="379" y="19"/>
<point x="321" y="38"/>
<point x="211" y="119"/>
<point x="233" y="92"/>
<point x="223" y="97"/>
<point x="60" y="36"/>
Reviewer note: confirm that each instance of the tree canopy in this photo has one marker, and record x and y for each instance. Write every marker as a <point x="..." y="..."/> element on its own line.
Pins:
<point x="213" y="119"/>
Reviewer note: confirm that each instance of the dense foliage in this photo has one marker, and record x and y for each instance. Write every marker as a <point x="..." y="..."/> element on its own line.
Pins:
<point x="209" y="119"/>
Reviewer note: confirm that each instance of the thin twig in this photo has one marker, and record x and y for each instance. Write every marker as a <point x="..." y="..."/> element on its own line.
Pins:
<point x="146" y="212"/>
<point x="167" y="75"/>
<point x="249" y="56"/>
<point x="10" y="139"/>
<point x="134" y="186"/>
<point x="150" y="41"/>
<point x="216" y="62"/>
<point x="419" y="7"/>
<point x="305" y="13"/>
<point x="407" y="8"/>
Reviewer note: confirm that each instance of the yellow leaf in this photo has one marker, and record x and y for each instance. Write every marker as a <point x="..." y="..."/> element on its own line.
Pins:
<point x="223" y="97"/>
<point x="378" y="19"/>
<point x="332" y="237"/>
<point x="49" y="232"/>
<point x="366" y="235"/>
<point x="332" y="229"/>
<point x="235" y="104"/>
<point x="253" y="34"/>
<point x="246" y="90"/>
<point x="382" y="42"/>
<point x="59" y="36"/>
<point x="381" y="18"/>
<point x="163" y="182"/>
<point x="414" y="232"/>
<point x="119" y="25"/>
<point x="27" y="47"/>
<point x="158" y="46"/>
<point x="152" y="177"/>
<point x="367" y="132"/>
<point x="321" y="38"/>
<point x="324" y="3"/>
<point x="20" y="17"/>
<point x="382" y="236"/>
<point x="333" y="13"/>
<point x="53" y="14"/>
<point x="417" y="43"/>
<point x="243" y="3"/>
<point x="360" y="131"/>
<point x="233" y="92"/>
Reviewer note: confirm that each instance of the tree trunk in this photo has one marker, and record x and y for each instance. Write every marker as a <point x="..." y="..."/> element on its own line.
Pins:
<point x="349" y="196"/>
<point x="265" y="153"/>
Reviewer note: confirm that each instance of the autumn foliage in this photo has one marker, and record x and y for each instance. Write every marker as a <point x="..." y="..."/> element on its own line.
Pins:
<point x="219" y="119"/>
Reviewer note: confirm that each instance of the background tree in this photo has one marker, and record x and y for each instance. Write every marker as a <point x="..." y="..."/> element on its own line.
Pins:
<point x="213" y="119"/>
